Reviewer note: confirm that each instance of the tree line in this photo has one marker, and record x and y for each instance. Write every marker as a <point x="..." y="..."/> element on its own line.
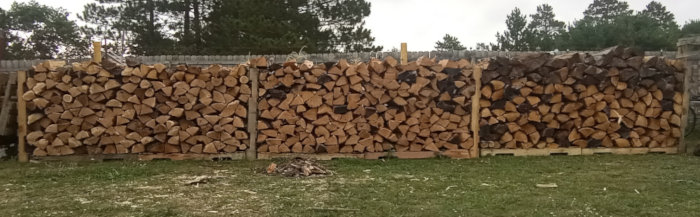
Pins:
<point x="170" y="27"/>
<point x="605" y="23"/>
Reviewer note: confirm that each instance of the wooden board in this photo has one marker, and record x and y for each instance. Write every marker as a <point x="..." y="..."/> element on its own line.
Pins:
<point x="251" y="153"/>
<point x="628" y="151"/>
<point x="531" y="152"/>
<point x="142" y="157"/>
<point x="686" y="105"/>
<point x="476" y="115"/>
<point x="404" y="53"/>
<point x="415" y="155"/>
<point x="21" y="118"/>
<point x="97" y="49"/>
<point x="5" y="109"/>
<point x="452" y="154"/>
<point x="268" y="156"/>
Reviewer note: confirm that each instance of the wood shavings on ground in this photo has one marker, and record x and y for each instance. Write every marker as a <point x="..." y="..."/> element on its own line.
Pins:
<point x="298" y="167"/>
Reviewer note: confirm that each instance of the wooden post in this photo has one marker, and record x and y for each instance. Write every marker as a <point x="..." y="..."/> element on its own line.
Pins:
<point x="21" y="118"/>
<point x="97" y="51"/>
<point x="5" y="111"/>
<point x="251" y="153"/>
<point x="404" y="53"/>
<point x="476" y="107"/>
<point x="689" y="53"/>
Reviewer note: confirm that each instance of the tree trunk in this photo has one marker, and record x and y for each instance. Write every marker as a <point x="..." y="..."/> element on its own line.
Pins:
<point x="197" y="23"/>
<point x="186" y="29"/>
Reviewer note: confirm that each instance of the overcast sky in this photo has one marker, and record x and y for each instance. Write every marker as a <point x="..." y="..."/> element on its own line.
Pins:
<point x="420" y="23"/>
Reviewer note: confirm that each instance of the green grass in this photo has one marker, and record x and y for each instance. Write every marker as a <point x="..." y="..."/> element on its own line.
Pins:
<point x="604" y="185"/>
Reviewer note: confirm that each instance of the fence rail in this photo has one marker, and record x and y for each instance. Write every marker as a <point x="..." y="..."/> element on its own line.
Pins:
<point x="16" y="65"/>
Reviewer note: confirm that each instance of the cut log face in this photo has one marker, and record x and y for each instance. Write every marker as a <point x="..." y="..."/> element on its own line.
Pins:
<point x="365" y="107"/>
<point x="607" y="99"/>
<point x="82" y="108"/>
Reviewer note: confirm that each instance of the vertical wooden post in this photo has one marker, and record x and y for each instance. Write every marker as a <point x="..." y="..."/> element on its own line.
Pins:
<point x="5" y="111"/>
<point x="251" y="153"/>
<point x="476" y="108"/>
<point x="404" y="53"/>
<point x="97" y="51"/>
<point x="21" y="118"/>
<point x="689" y="53"/>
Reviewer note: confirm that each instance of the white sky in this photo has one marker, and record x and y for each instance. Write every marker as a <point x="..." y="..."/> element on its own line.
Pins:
<point x="421" y="23"/>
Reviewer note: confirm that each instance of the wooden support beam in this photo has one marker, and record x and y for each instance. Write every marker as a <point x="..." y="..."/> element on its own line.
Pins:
<point x="476" y="115"/>
<point x="404" y="53"/>
<point x="21" y="118"/>
<point x="97" y="51"/>
<point x="251" y="152"/>
<point x="5" y="112"/>
<point x="689" y="53"/>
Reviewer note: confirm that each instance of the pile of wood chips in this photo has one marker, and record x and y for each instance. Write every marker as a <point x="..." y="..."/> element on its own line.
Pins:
<point x="299" y="167"/>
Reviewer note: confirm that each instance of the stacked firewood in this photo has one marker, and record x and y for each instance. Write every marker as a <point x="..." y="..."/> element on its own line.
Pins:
<point x="613" y="98"/>
<point x="365" y="107"/>
<point x="85" y="109"/>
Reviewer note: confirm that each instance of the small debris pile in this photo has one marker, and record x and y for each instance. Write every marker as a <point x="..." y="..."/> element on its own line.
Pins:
<point x="201" y="180"/>
<point x="298" y="167"/>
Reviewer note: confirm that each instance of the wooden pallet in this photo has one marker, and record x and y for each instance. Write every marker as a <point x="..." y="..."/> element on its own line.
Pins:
<point x="531" y="152"/>
<point x="627" y="151"/>
<point x="325" y="156"/>
<point x="142" y="157"/>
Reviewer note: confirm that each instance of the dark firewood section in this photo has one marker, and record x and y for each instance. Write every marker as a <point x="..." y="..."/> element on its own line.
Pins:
<point x="612" y="98"/>
<point x="85" y="109"/>
<point x="362" y="107"/>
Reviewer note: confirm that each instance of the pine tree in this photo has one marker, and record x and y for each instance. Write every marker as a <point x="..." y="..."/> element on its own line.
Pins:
<point x="35" y="31"/>
<point x="4" y="32"/>
<point x="343" y="20"/>
<point x="102" y="23"/>
<point x="263" y="27"/>
<point x="663" y="17"/>
<point x="144" y="23"/>
<point x="605" y="11"/>
<point x="482" y="46"/>
<point x="449" y="43"/>
<point x="513" y="38"/>
<point x="691" y="28"/>
<point x="544" y="28"/>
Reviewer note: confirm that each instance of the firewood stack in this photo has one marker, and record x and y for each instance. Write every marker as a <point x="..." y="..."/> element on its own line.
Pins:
<point x="365" y="107"/>
<point x="613" y="98"/>
<point x="85" y="109"/>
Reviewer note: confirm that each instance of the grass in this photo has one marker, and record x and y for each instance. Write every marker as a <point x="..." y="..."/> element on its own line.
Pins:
<point x="602" y="185"/>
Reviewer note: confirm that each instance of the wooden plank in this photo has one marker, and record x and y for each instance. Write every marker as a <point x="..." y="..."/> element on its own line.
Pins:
<point x="21" y="118"/>
<point x="251" y="153"/>
<point x="143" y="157"/>
<point x="269" y="156"/>
<point x="666" y="150"/>
<point x="404" y="53"/>
<point x="621" y="151"/>
<point x="476" y="115"/>
<point x="686" y="105"/>
<point x="97" y="51"/>
<point x="531" y="152"/>
<point x="190" y="156"/>
<point x="5" y="110"/>
<point x="415" y="154"/>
